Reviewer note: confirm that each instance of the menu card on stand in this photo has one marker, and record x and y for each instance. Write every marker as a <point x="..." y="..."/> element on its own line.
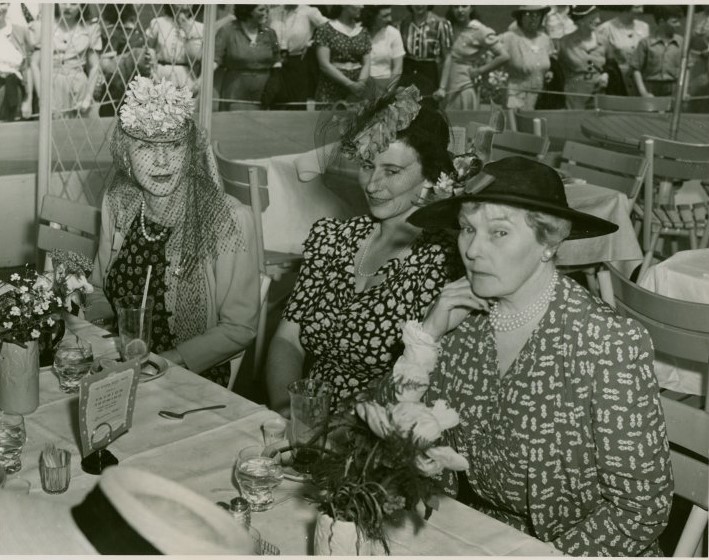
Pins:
<point x="106" y="404"/>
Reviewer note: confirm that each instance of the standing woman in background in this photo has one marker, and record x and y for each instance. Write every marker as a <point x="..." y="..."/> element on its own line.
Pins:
<point x="247" y="49"/>
<point x="15" y="75"/>
<point x="387" y="55"/>
<point x="176" y="42"/>
<point x="620" y="37"/>
<point x="530" y="51"/>
<point x="75" y="66"/>
<point x="459" y="18"/>
<point x="427" y="40"/>
<point x="582" y="58"/>
<point x="476" y="51"/>
<point x="342" y="48"/>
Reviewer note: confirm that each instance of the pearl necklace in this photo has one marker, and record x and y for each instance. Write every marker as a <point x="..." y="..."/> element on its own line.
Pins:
<point x="151" y="238"/>
<point x="365" y="252"/>
<point x="514" y="321"/>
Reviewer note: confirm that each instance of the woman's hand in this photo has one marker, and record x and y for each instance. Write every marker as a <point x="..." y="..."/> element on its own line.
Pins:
<point x="85" y="103"/>
<point x="26" y="109"/>
<point x="357" y="88"/>
<point x="548" y="76"/>
<point x="439" y="94"/>
<point x="453" y="304"/>
<point x="474" y="73"/>
<point x="603" y="80"/>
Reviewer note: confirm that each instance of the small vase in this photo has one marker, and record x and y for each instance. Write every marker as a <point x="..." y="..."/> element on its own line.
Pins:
<point x="19" y="377"/>
<point x="340" y="538"/>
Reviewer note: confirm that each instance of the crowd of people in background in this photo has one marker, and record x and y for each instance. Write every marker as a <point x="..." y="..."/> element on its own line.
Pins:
<point x="284" y="56"/>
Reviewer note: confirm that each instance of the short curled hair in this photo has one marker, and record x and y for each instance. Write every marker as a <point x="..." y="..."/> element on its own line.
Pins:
<point x="243" y="11"/>
<point x="370" y="13"/>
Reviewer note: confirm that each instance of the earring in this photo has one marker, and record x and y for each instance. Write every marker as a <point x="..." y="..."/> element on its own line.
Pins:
<point x="547" y="255"/>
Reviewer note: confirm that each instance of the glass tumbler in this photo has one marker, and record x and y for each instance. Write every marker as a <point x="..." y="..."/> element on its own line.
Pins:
<point x="12" y="439"/>
<point x="135" y="324"/>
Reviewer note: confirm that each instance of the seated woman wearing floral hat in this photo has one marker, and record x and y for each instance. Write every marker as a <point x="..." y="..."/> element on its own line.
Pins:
<point x="362" y="278"/>
<point x="166" y="208"/>
<point x="561" y="421"/>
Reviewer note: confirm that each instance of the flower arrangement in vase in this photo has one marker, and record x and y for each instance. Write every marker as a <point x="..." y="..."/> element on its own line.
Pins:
<point x="380" y="461"/>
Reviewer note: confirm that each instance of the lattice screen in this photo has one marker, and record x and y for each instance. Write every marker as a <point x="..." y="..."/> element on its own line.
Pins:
<point x="97" y="50"/>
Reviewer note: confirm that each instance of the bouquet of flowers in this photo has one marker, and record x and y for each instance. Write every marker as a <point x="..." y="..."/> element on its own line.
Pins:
<point x="27" y="307"/>
<point x="70" y="283"/>
<point x="381" y="460"/>
<point x="492" y="86"/>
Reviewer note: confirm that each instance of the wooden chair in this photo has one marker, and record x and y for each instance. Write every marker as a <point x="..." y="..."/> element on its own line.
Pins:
<point x="680" y="329"/>
<point x="519" y="122"/>
<point x="68" y="226"/>
<point x="509" y="143"/>
<point x="669" y="163"/>
<point x="618" y="171"/>
<point x="249" y="184"/>
<point x="633" y="104"/>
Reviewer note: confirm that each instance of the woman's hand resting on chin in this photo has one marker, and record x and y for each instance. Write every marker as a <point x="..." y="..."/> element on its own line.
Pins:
<point x="452" y="305"/>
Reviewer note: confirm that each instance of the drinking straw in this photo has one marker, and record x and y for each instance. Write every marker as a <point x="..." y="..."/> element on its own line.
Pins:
<point x="145" y="299"/>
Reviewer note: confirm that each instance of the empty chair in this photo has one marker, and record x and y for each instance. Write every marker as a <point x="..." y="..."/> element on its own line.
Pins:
<point x="68" y="226"/>
<point x="509" y="143"/>
<point x="633" y="104"/>
<point x="671" y="163"/>
<point x="618" y="171"/>
<point x="249" y="184"/>
<point x="519" y="122"/>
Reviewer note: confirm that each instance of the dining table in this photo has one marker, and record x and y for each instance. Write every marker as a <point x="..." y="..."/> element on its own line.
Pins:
<point x="624" y="130"/>
<point x="199" y="453"/>
<point x="683" y="276"/>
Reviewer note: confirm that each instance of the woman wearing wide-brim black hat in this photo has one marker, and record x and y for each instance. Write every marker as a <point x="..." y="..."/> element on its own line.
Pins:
<point x="561" y="421"/>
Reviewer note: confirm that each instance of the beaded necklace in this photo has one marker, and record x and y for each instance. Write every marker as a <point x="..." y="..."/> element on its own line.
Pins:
<point x="151" y="238"/>
<point x="514" y="321"/>
<point x="365" y="252"/>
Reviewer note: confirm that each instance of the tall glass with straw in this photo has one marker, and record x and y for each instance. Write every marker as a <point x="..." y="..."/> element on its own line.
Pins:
<point x="135" y="319"/>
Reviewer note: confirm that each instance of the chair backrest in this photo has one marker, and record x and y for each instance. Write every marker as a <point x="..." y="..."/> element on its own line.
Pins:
<point x="68" y="226"/>
<point x="509" y="143"/>
<point x="529" y="124"/>
<point x="249" y="184"/>
<point x="618" y="171"/>
<point x="679" y="161"/>
<point x="633" y="104"/>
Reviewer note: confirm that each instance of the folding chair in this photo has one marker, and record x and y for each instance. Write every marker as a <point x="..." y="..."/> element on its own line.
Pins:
<point x="509" y="143"/>
<point x="529" y="124"/>
<point x="68" y="226"/>
<point x="671" y="162"/>
<point x="249" y="184"/>
<point x="631" y="104"/>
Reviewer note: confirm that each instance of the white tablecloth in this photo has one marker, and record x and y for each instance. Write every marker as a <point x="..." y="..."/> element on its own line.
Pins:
<point x="199" y="453"/>
<point x="684" y="276"/>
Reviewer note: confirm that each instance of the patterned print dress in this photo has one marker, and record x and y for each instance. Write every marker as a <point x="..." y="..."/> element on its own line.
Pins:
<point x="343" y="49"/>
<point x="570" y="444"/>
<point x="354" y="338"/>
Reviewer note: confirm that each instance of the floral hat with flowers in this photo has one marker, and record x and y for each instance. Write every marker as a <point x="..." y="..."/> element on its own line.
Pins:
<point x="156" y="111"/>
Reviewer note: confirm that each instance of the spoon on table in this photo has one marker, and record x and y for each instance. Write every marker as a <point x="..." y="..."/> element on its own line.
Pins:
<point x="180" y="415"/>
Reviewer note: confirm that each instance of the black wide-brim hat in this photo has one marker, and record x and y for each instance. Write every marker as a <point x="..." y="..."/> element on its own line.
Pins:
<point x="519" y="182"/>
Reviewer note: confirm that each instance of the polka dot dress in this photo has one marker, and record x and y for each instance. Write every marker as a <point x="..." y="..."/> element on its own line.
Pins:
<point x="354" y="338"/>
<point x="127" y="277"/>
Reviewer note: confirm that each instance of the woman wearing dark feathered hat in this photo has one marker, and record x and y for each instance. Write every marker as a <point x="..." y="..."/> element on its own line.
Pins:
<point x="561" y="420"/>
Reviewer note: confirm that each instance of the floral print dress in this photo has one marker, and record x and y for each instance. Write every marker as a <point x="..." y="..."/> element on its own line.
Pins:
<point x="353" y="337"/>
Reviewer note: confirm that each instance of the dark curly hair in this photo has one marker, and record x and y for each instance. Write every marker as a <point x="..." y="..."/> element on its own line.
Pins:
<point x="369" y="14"/>
<point x="244" y="11"/>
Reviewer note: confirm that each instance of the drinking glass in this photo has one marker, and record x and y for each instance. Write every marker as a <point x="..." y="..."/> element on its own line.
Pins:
<point x="55" y="471"/>
<point x="135" y="323"/>
<point x="309" y="411"/>
<point x="274" y="431"/>
<point x="12" y="439"/>
<point x="72" y="361"/>
<point x="258" y="474"/>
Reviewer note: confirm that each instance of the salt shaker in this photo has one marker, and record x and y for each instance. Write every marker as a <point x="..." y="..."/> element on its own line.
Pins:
<point x="240" y="510"/>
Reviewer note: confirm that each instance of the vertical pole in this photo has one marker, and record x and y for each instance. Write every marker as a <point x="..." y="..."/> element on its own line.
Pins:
<point x="44" y="151"/>
<point x="649" y="151"/>
<point x="207" y="79"/>
<point x="674" y="127"/>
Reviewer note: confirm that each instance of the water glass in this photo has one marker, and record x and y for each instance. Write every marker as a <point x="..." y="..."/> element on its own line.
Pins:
<point x="274" y="431"/>
<point x="12" y="439"/>
<point x="135" y="324"/>
<point x="55" y="471"/>
<point x="258" y="475"/>
<point x="309" y="412"/>
<point x="72" y="361"/>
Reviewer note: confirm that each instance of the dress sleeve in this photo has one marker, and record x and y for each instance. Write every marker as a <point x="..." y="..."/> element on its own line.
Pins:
<point x="316" y="18"/>
<point x="220" y="43"/>
<point x="318" y="248"/>
<point x="237" y="286"/>
<point x="632" y="453"/>
<point x="322" y="36"/>
<point x="637" y="59"/>
<point x="397" y="43"/>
